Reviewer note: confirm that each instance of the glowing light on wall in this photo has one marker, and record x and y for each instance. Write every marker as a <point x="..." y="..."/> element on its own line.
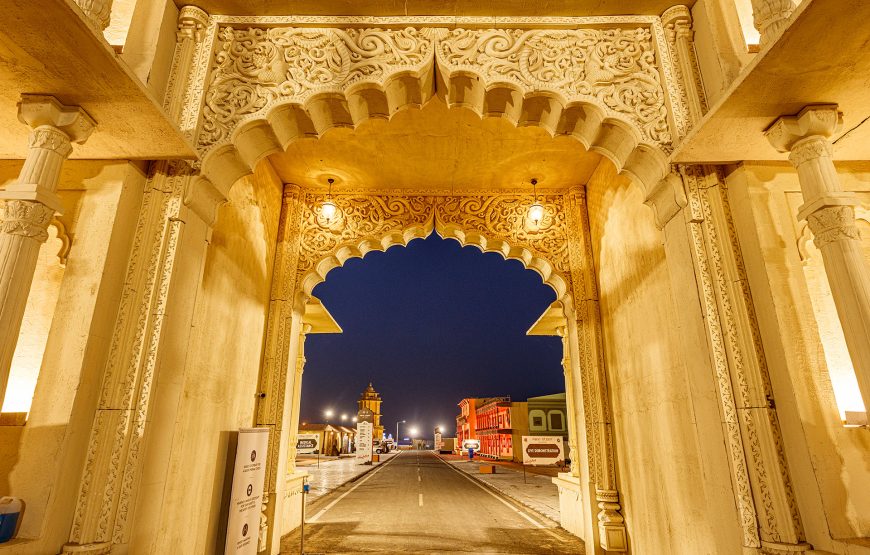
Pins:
<point x="35" y="327"/>
<point x="840" y="368"/>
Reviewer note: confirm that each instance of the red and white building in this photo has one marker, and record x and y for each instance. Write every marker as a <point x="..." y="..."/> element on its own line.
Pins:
<point x="497" y="422"/>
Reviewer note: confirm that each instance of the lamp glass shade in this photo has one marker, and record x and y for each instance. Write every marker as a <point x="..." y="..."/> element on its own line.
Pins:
<point x="328" y="210"/>
<point x="536" y="213"/>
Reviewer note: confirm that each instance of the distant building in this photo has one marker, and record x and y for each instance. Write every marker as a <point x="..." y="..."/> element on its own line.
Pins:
<point x="371" y="399"/>
<point x="500" y="423"/>
<point x="548" y="416"/>
<point x="466" y="422"/>
<point x="329" y="440"/>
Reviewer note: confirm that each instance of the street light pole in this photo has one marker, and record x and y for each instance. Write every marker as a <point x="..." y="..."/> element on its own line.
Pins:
<point x="397" y="432"/>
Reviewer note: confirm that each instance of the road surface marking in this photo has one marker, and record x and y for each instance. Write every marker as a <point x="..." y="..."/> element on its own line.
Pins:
<point x="419" y="479"/>
<point x="421" y="499"/>
<point x="535" y="523"/>
<point x="348" y="492"/>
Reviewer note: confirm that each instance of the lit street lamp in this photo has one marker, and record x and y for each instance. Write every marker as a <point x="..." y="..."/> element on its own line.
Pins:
<point x="343" y="417"/>
<point x="328" y="414"/>
<point x="413" y="432"/>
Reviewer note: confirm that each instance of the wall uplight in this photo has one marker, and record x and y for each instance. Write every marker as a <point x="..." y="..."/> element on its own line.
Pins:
<point x="536" y="210"/>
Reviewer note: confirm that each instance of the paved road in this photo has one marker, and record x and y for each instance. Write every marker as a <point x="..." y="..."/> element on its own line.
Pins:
<point x="418" y="504"/>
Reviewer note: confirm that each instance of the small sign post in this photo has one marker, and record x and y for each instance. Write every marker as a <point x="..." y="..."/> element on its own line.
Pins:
<point x="249" y="474"/>
<point x="364" y="432"/>
<point x="543" y="450"/>
<point x="307" y="444"/>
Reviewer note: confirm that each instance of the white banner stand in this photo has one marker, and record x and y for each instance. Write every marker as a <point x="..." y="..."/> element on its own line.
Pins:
<point x="249" y="475"/>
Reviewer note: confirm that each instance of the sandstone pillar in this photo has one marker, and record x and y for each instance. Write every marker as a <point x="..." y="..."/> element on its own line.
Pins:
<point x="829" y="212"/>
<point x="569" y="402"/>
<point x="283" y="329"/>
<point x="296" y="400"/>
<point x="770" y="17"/>
<point x="612" y="533"/>
<point x="29" y="206"/>
<point x="192" y="22"/>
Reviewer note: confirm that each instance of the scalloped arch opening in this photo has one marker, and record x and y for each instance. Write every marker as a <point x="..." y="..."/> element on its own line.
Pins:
<point x="544" y="268"/>
<point x="374" y="140"/>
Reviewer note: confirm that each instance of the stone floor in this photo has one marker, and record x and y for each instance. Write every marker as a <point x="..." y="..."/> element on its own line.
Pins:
<point x="419" y="503"/>
<point x="535" y="491"/>
<point x="333" y="472"/>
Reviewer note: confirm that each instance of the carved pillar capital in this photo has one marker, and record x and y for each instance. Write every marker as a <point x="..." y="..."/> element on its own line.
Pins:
<point x="770" y="17"/>
<point x="812" y="123"/>
<point x="97" y="12"/>
<point x="677" y="22"/>
<point x="192" y="22"/>
<point x="833" y="223"/>
<point x="26" y="219"/>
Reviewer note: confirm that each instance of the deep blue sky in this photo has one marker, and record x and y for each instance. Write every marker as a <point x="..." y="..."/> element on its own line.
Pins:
<point x="429" y="324"/>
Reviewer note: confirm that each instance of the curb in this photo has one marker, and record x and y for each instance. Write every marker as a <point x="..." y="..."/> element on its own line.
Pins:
<point x="486" y="484"/>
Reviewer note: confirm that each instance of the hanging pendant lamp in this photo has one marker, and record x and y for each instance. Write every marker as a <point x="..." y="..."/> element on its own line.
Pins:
<point x="328" y="209"/>
<point x="536" y="210"/>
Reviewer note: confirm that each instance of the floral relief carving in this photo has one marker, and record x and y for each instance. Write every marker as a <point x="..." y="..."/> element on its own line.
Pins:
<point x="833" y="223"/>
<point x="253" y="68"/>
<point x="26" y="219"/>
<point x="50" y="138"/>
<point x="506" y="217"/>
<point x="615" y="67"/>
<point x="362" y="219"/>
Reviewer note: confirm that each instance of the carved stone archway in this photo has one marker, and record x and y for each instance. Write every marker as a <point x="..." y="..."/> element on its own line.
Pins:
<point x="558" y="249"/>
<point x="258" y="84"/>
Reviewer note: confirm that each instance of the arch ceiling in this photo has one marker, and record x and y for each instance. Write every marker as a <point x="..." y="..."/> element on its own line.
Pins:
<point x="437" y="148"/>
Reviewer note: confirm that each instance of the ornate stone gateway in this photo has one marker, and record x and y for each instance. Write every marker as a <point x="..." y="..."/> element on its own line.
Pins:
<point x="244" y="89"/>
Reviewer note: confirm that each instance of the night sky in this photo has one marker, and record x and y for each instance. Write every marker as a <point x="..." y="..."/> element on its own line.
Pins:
<point x="429" y="324"/>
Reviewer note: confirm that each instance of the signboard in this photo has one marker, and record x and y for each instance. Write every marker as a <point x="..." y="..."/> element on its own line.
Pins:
<point x="307" y="444"/>
<point x="249" y="473"/>
<point x="471" y="444"/>
<point x="438" y="443"/>
<point x="364" y="432"/>
<point x="365" y="415"/>
<point x="543" y="450"/>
